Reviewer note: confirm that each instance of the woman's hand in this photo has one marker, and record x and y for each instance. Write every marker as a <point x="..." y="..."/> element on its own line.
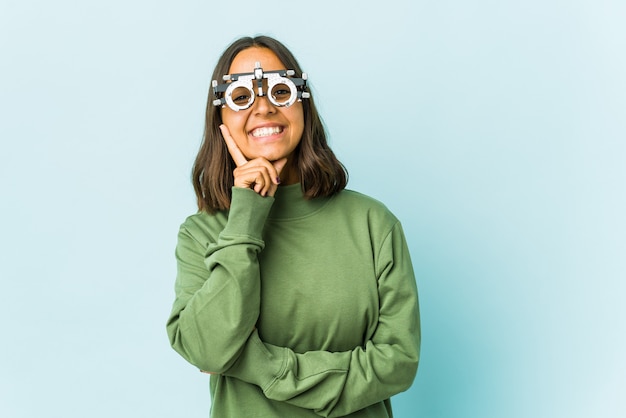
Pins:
<point x="258" y="174"/>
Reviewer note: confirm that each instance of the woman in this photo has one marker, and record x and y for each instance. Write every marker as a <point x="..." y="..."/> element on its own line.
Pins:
<point x="297" y="296"/>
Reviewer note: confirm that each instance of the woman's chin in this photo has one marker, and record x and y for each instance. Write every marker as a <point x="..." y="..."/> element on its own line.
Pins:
<point x="269" y="156"/>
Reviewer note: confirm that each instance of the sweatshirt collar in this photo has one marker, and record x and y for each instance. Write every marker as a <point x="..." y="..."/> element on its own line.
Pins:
<point x="290" y="203"/>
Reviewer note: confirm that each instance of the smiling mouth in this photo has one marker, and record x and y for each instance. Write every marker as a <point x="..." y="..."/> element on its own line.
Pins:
<point x="266" y="131"/>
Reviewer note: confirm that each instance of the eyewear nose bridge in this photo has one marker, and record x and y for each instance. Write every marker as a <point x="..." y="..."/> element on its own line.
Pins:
<point x="280" y="87"/>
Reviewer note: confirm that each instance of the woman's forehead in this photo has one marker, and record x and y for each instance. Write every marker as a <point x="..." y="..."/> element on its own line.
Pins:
<point x="245" y="61"/>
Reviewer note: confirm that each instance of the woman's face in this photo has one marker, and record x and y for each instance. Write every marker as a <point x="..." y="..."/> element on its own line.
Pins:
<point x="263" y="130"/>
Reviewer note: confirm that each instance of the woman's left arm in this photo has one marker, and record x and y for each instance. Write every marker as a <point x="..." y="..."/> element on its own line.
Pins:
<point x="337" y="383"/>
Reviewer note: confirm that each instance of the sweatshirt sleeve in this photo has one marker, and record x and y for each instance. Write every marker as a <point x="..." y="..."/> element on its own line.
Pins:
<point x="218" y="285"/>
<point x="335" y="384"/>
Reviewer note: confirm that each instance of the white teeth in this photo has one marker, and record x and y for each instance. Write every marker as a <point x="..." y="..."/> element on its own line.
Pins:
<point x="266" y="131"/>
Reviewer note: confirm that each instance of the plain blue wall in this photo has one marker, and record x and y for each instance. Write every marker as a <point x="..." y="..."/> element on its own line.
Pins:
<point x="494" y="130"/>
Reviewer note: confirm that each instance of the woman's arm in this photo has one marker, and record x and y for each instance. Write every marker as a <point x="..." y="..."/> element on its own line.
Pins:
<point x="218" y="285"/>
<point x="337" y="383"/>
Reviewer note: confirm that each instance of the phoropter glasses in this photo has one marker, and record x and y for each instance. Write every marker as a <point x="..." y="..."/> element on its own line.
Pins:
<point x="282" y="88"/>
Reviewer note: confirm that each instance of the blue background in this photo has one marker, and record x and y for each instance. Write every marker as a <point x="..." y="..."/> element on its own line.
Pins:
<point x="494" y="130"/>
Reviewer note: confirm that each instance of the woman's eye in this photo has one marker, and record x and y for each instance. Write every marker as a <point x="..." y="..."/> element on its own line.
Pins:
<point x="243" y="99"/>
<point x="281" y="92"/>
<point x="241" y="96"/>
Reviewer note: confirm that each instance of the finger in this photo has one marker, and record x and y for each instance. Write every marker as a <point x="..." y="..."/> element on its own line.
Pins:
<point x="233" y="149"/>
<point x="266" y="182"/>
<point x="279" y="165"/>
<point x="255" y="176"/>
<point x="245" y="176"/>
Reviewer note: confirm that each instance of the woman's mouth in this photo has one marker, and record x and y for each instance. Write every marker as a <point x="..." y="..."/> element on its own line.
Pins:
<point x="266" y="131"/>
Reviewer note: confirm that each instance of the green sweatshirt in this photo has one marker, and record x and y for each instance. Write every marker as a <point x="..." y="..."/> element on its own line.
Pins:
<point x="299" y="308"/>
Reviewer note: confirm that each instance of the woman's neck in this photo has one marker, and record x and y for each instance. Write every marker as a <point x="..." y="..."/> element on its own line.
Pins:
<point x="289" y="175"/>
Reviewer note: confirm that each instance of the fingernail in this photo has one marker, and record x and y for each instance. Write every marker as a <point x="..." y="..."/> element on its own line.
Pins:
<point x="277" y="180"/>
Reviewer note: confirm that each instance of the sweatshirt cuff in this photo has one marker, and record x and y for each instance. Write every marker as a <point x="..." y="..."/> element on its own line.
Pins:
<point x="247" y="214"/>
<point x="260" y="364"/>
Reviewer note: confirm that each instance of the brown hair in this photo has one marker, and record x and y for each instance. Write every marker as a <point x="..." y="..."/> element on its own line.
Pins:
<point x="321" y="173"/>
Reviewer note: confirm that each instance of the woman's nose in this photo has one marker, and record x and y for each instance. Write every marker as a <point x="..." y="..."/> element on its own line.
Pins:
<point x="262" y="105"/>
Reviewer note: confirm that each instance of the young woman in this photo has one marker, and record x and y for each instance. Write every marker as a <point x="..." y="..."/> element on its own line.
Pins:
<point x="296" y="295"/>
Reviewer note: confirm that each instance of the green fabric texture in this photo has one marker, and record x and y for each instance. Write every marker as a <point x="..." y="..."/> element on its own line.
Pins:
<point x="299" y="308"/>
